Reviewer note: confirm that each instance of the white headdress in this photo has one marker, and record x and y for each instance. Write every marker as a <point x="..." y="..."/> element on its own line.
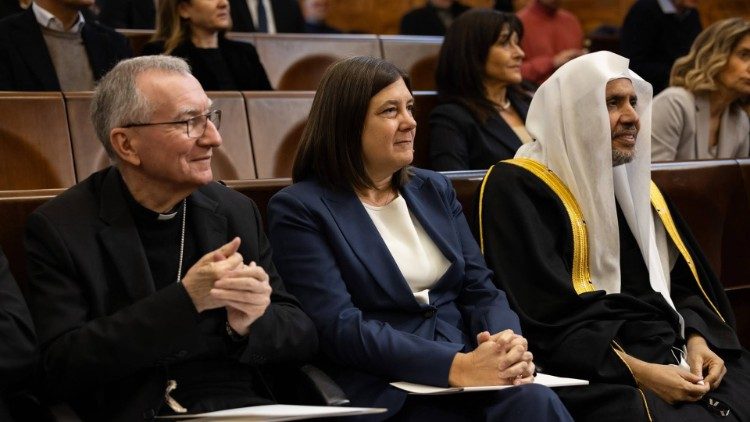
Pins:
<point x="569" y="120"/>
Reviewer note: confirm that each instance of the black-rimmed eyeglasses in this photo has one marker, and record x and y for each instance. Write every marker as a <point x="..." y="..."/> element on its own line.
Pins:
<point x="194" y="126"/>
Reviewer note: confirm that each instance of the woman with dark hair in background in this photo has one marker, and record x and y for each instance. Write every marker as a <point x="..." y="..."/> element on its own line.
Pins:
<point x="480" y="120"/>
<point x="194" y="30"/>
<point x="381" y="258"/>
<point x="701" y="115"/>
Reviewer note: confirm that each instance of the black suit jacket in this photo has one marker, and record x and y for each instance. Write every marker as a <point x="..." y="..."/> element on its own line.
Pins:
<point x="425" y="20"/>
<point x="653" y="40"/>
<point x="286" y="15"/>
<point x="17" y="339"/>
<point x="9" y="7"/>
<point x="241" y="59"/>
<point x="109" y="342"/>
<point x="132" y="14"/>
<point x="459" y="142"/>
<point x="25" y="63"/>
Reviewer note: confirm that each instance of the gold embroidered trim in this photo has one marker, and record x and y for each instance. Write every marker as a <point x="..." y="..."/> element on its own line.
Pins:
<point x="581" y="276"/>
<point x="660" y="205"/>
<point x="481" y="206"/>
<point x="617" y="347"/>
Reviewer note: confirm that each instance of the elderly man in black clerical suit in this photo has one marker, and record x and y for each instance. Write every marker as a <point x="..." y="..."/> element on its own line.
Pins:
<point x="152" y="287"/>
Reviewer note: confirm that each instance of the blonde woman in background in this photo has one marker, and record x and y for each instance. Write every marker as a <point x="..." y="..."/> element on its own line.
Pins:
<point x="701" y="115"/>
<point x="194" y="30"/>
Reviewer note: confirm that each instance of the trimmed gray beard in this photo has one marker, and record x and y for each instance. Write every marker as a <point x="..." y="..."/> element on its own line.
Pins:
<point x="619" y="158"/>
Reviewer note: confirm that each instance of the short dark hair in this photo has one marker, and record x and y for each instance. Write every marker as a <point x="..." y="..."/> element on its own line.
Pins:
<point x="463" y="55"/>
<point x="330" y="150"/>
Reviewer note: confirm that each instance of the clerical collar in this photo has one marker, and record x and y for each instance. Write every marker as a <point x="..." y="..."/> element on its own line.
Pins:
<point x="169" y="215"/>
<point x="145" y="215"/>
<point x="49" y="21"/>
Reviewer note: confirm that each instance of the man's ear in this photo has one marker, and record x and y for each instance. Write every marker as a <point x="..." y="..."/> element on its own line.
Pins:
<point x="121" y="140"/>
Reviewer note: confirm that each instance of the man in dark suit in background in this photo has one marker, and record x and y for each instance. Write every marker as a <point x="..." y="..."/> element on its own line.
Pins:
<point x="131" y="14"/>
<point x="432" y="19"/>
<point x="657" y="32"/>
<point x="152" y="287"/>
<point x="255" y="16"/>
<point x="51" y="47"/>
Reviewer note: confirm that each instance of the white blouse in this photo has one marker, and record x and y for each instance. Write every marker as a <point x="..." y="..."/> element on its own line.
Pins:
<point x="420" y="261"/>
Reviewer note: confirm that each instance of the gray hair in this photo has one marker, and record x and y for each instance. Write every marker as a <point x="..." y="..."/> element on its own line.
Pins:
<point x="118" y="101"/>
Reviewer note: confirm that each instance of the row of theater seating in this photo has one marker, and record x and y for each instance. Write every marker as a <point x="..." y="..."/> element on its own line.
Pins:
<point x="712" y="196"/>
<point x="47" y="140"/>
<point x="297" y="61"/>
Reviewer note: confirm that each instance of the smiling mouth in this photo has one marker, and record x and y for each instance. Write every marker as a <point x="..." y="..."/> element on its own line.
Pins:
<point x="626" y="138"/>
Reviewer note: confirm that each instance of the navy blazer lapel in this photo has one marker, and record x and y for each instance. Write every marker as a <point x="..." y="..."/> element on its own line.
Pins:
<point x="422" y="200"/>
<point x="363" y="237"/>
<point x="211" y="231"/>
<point x="121" y="240"/>
<point x="31" y="47"/>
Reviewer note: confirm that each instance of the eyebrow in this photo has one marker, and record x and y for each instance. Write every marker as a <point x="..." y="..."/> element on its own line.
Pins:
<point x="505" y="35"/>
<point x="192" y="111"/>
<point x="396" y="102"/>
<point x="621" y="96"/>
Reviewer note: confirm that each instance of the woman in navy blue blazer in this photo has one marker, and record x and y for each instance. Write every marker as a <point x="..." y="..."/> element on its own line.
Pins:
<point x="381" y="258"/>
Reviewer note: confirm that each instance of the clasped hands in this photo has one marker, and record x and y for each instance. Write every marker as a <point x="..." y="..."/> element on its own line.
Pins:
<point x="674" y="384"/>
<point x="221" y="279"/>
<point x="499" y="359"/>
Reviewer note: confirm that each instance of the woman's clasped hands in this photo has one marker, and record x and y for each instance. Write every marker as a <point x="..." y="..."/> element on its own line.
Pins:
<point x="499" y="359"/>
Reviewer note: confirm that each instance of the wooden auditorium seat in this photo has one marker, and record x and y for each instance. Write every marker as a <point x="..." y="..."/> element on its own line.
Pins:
<point x="35" y="151"/>
<point x="233" y="160"/>
<point x="276" y="123"/>
<point x="417" y="55"/>
<point x="260" y="191"/>
<point x="709" y="194"/>
<point x="736" y="250"/>
<point x="137" y="38"/>
<point x="297" y="61"/>
<point x="248" y="37"/>
<point x="88" y="154"/>
<point x="424" y="102"/>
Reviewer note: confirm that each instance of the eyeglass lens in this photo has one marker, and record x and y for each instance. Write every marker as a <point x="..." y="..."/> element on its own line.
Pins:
<point x="196" y="126"/>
